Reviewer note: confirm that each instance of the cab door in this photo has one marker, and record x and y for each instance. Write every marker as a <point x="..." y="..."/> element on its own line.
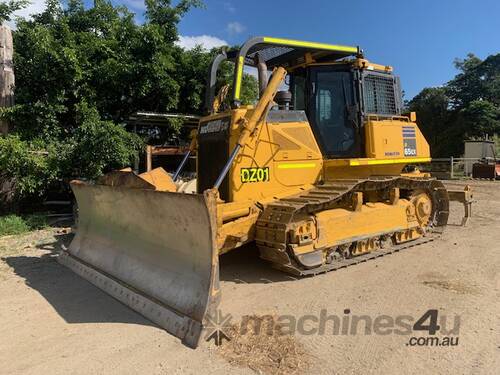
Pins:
<point x="332" y="112"/>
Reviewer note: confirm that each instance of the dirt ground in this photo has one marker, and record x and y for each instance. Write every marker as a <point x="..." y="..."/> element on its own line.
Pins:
<point x="52" y="321"/>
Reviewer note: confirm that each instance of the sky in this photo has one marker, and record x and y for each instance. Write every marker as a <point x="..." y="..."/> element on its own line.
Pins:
<point x="419" y="38"/>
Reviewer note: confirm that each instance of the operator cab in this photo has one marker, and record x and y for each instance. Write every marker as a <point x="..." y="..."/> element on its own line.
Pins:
<point x="334" y="85"/>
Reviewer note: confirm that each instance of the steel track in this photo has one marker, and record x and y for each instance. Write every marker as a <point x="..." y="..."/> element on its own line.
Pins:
<point x="275" y="221"/>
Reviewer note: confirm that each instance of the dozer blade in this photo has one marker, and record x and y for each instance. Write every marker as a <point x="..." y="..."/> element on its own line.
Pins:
<point x="154" y="251"/>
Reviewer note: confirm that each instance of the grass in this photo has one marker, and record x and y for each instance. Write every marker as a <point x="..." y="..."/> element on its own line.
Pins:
<point x="15" y="224"/>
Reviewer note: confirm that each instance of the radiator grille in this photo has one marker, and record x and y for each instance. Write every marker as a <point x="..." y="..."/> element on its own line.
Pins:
<point x="380" y="95"/>
<point x="213" y="153"/>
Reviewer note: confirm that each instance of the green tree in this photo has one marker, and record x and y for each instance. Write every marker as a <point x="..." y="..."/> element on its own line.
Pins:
<point x="166" y="17"/>
<point x="431" y="106"/>
<point x="475" y="94"/>
<point x="7" y="8"/>
<point x="81" y="72"/>
<point x="482" y="118"/>
<point x="466" y="86"/>
<point x="466" y="107"/>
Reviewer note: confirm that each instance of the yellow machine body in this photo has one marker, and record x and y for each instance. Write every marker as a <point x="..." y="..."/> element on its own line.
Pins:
<point x="284" y="159"/>
<point x="268" y="174"/>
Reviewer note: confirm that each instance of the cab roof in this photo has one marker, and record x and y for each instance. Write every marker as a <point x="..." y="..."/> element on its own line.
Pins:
<point x="288" y="52"/>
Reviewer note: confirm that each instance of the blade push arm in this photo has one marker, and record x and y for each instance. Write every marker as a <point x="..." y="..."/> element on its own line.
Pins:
<point x="192" y="146"/>
<point x="249" y="125"/>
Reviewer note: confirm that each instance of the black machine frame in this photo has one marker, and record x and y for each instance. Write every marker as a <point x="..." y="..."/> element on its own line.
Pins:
<point x="273" y="52"/>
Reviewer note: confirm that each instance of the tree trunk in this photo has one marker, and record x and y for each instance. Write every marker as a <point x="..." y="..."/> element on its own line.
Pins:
<point x="6" y="73"/>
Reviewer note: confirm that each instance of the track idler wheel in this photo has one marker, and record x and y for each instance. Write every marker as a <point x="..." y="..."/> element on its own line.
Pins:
<point x="422" y="203"/>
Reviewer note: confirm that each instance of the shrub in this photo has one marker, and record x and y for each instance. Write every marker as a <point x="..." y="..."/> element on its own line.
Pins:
<point x="26" y="167"/>
<point x="100" y="146"/>
<point x="14" y="224"/>
<point x="31" y="169"/>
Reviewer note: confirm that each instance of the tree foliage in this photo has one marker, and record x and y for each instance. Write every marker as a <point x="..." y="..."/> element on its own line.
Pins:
<point x="466" y="107"/>
<point x="7" y="8"/>
<point x="80" y="73"/>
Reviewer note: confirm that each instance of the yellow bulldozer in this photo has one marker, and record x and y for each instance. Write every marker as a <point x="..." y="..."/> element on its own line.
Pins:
<point x="319" y="174"/>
